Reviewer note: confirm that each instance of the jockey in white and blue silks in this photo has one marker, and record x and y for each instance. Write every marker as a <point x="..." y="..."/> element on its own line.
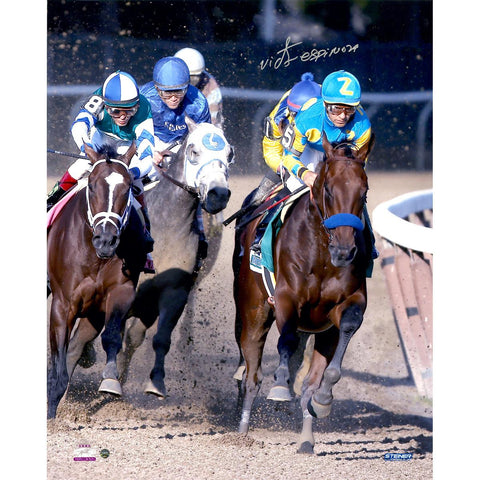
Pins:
<point x="113" y="117"/>
<point x="172" y="98"/>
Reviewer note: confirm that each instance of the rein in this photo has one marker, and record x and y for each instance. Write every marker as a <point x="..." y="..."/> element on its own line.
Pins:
<point x="191" y="190"/>
<point x="109" y="216"/>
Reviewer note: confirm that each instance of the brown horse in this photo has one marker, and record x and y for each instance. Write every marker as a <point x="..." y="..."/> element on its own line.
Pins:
<point x="95" y="250"/>
<point x="320" y="257"/>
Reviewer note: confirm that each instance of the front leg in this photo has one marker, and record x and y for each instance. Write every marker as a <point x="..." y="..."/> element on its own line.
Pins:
<point x="351" y="319"/>
<point x="118" y="304"/>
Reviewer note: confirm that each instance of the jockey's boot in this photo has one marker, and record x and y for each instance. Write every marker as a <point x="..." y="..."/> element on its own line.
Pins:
<point x="260" y="231"/>
<point x="59" y="189"/>
<point x="266" y="185"/>
<point x="368" y="224"/>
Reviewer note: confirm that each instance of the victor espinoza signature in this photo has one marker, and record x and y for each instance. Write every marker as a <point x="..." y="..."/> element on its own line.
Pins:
<point x="284" y="56"/>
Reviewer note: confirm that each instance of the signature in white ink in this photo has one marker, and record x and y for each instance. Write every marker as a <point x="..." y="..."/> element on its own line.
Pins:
<point x="284" y="57"/>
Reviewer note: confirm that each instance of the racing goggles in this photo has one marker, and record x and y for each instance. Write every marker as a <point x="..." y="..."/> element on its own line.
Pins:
<point x="166" y="95"/>
<point x="339" y="109"/>
<point x="117" y="112"/>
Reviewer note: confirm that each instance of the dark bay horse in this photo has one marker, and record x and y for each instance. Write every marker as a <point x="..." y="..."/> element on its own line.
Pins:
<point x="320" y="256"/>
<point x="197" y="175"/>
<point x="95" y="250"/>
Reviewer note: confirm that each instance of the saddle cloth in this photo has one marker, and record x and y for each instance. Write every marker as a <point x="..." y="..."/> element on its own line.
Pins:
<point x="266" y="267"/>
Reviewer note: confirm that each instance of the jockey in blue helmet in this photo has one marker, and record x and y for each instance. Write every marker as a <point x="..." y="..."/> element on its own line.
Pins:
<point x="338" y="115"/>
<point x="303" y="91"/>
<point x="172" y="98"/>
<point x="275" y="124"/>
<point x="113" y="117"/>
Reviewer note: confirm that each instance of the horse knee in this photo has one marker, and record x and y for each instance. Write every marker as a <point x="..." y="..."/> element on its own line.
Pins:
<point x="351" y="320"/>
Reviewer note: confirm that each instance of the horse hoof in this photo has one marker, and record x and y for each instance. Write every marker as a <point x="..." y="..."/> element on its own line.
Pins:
<point x="238" y="375"/>
<point x="279" y="394"/>
<point x="153" y="390"/>
<point x="305" y="447"/>
<point x="243" y="428"/>
<point x="111" y="385"/>
<point x="318" y="410"/>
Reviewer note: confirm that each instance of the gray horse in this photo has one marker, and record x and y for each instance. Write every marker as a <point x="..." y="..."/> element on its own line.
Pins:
<point x="197" y="175"/>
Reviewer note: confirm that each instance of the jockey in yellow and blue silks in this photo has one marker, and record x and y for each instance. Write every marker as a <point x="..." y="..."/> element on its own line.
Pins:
<point x="337" y="114"/>
<point x="275" y="125"/>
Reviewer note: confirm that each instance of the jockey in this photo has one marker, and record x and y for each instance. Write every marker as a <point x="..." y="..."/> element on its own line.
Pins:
<point x="114" y="116"/>
<point x="275" y="125"/>
<point x="172" y="98"/>
<point x="204" y="81"/>
<point x="337" y="113"/>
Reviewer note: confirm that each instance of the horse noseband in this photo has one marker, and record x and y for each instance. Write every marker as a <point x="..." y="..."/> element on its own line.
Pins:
<point x="343" y="220"/>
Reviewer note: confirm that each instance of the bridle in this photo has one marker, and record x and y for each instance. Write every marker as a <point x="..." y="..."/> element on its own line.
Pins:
<point x="108" y="216"/>
<point x="329" y="223"/>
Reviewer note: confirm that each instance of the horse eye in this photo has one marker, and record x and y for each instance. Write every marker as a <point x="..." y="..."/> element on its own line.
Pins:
<point x="193" y="157"/>
<point x="231" y="155"/>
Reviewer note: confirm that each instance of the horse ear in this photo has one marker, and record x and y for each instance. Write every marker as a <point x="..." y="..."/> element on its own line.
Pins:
<point x="91" y="153"/>
<point x="367" y="148"/>
<point x="327" y="146"/>
<point x="190" y="124"/>
<point x="127" y="156"/>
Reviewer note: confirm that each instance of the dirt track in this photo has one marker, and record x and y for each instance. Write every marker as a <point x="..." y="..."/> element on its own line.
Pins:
<point x="192" y="434"/>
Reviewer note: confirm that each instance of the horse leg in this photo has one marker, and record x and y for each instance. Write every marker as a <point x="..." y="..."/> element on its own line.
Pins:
<point x="134" y="336"/>
<point x="286" y="346"/>
<point x="321" y="348"/>
<point x="238" y="375"/>
<point x="171" y="305"/>
<point x="256" y="325"/>
<point x="351" y="319"/>
<point x="60" y="328"/>
<point x="81" y="346"/>
<point x="115" y="317"/>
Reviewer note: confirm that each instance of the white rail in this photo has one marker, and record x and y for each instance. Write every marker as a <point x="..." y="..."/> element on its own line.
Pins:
<point x="388" y="220"/>
<point x="372" y="102"/>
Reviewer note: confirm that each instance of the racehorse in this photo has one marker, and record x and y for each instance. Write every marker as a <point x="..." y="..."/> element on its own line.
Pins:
<point x="96" y="250"/>
<point x="320" y="256"/>
<point x="197" y="175"/>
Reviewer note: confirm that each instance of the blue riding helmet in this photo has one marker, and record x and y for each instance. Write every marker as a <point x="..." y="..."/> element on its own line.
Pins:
<point x="120" y="90"/>
<point x="341" y="87"/>
<point x="303" y="91"/>
<point x="171" y="73"/>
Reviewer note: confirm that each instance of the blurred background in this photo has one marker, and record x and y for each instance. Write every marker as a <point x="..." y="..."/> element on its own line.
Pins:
<point x="256" y="50"/>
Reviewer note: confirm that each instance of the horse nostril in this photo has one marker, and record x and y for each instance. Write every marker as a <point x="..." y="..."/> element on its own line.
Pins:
<point x="114" y="241"/>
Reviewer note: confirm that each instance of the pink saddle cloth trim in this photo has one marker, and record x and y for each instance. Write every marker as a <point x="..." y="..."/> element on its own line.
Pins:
<point x="57" y="208"/>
